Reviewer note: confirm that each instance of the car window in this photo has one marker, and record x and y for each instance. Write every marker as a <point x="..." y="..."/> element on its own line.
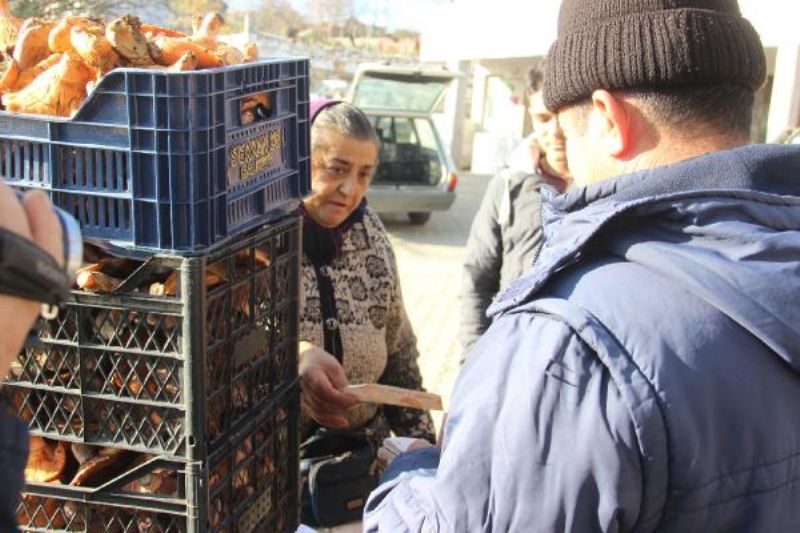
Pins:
<point x="383" y="126"/>
<point x="404" y="131"/>
<point x="399" y="92"/>
<point x="424" y="130"/>
<point x="410" y="152"/>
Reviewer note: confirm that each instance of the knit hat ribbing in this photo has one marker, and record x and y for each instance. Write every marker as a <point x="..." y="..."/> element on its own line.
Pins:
<point x="640" y="44"/>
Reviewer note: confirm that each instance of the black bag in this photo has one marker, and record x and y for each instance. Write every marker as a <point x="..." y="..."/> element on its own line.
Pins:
<point x="336" y="466"/>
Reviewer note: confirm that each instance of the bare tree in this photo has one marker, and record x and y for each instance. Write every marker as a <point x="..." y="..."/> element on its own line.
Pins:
<point x="184" y="10"/>
<point x="332" y="11"/>
<point x="277" y="17"/>
<point x="176" y="13"/>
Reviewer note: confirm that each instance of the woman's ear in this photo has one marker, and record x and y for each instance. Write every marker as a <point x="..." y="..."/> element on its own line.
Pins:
<point x="612" y="123"/>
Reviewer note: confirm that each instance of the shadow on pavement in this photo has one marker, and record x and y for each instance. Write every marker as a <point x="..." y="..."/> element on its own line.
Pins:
<point x="440" y="229"/>
<point x="445" y="228"/>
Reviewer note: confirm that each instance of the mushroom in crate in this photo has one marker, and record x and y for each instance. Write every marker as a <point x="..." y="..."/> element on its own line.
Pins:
<point x="41" y="512"/>
<point x="219" y="506"/>
<point x="99" y="465"/>
<point x="256" y="107"/>
<point x="46" y="460"/>
<point x="160" y="480"/>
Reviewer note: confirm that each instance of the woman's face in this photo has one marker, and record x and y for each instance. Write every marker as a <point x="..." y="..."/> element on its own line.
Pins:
<point x="341" y="169"/>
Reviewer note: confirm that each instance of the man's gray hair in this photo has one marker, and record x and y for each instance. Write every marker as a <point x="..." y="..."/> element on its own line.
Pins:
<point x="345" y="119"/>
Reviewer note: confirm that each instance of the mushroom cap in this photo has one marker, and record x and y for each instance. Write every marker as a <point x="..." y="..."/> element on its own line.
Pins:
<point x="105" y="466"/>
<point x="46" y="460"/>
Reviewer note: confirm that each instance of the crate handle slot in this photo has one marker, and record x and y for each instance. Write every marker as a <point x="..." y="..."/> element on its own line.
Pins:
<point x="138" y="276"/>
<point x="132" y="474"/>
<point x="69" y="491"/>
<point x="257" y="106"/>
<point x="158" y="504"/>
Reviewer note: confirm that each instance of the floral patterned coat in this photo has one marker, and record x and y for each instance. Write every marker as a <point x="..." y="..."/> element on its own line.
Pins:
<point x="378" y="344"/>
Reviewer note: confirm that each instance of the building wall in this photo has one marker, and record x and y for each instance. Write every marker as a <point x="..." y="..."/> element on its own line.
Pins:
<point x="501" y="42"/>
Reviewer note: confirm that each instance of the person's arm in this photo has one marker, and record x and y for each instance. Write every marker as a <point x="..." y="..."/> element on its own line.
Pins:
<point x="538" y="438"/>
<point x="402" y="368"/>
<point x="34" y="219"/>
<point x="482" y="262"/>
<point x="323" y="381"/>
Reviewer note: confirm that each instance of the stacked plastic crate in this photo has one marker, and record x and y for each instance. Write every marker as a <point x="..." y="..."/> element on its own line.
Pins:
<point x="180" y="384"/>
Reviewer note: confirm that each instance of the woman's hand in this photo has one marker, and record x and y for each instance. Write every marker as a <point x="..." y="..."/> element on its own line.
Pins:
<point x="323" y="381"/>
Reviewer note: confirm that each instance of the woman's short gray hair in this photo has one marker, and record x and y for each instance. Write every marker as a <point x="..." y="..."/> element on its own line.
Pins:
<point x="345" y="119"/>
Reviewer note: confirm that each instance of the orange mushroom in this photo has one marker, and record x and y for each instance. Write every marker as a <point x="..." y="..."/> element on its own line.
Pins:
<point x="46" y="460"/>
<point x="9" y="26"/>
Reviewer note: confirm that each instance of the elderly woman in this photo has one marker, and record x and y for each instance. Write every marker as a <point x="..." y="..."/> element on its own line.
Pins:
<point x="353" y="326"/>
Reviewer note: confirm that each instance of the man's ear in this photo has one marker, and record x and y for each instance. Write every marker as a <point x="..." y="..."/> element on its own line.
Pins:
<point x="612" y="122"/>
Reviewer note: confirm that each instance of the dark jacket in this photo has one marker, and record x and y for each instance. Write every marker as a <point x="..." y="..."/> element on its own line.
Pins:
<point x="505" y="236"/>
<point x="643" y="376"/>
<point x="13" y="457"/>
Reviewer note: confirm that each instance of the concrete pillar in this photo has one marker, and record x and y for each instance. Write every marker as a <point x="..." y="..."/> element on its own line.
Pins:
<point x="784" y="109"/>
<point x="480" y="79"/>
<point x="456" y="106"/>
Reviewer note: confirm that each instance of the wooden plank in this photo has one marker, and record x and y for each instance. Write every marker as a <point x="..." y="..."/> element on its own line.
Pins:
<point x="389" y="395"/>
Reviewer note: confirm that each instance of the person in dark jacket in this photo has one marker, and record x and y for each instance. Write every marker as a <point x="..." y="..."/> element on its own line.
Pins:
<point x="34" y="219"/>
<point x="644" y="375"/>
<point x="506" y="232"/>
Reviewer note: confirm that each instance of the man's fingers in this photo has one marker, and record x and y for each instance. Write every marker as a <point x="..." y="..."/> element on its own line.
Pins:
<point x="419" y="443"/>
<point x="12" y="215"/>
<point x="44" y="224"/>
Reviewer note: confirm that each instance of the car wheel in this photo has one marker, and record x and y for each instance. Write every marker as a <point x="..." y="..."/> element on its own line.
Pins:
<point x="418" y="218"/>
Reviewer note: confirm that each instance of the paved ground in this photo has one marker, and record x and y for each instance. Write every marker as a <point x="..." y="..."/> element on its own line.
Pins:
<point x="429" y="259"/>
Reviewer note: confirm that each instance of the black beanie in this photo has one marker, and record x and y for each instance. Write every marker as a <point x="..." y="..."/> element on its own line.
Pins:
<point x="643" y="44"/>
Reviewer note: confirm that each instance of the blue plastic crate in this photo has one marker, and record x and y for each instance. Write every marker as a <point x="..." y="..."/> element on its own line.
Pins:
<point x="162" y="161"/>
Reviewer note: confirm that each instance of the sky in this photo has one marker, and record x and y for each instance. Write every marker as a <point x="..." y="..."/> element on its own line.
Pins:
<point x="394" y="14"/>
<point x="776" y="20"/>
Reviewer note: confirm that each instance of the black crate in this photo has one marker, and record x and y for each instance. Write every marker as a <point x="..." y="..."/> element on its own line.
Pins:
<point x="250" y="485"/>
<point x="162" y="160"/>
<point x="171" y="376"/>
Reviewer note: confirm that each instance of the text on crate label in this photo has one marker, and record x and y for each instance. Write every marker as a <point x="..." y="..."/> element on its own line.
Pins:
<point x="250" y="158"/>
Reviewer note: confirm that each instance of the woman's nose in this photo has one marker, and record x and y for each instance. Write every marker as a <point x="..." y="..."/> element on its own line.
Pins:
<point x="348" y="184"/>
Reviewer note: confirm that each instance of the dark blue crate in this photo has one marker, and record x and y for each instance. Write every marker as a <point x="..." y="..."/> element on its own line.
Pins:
<point x="161" y="161"/>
